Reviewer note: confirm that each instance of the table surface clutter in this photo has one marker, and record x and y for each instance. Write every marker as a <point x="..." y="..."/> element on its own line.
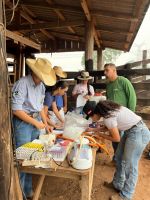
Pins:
<point x="62" y="155"/>
<point x="85" y="177"/>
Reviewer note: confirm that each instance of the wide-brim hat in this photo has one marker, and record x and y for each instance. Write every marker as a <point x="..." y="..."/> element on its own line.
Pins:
<point x="43" y="70"/>
<point x="84" y="76"/>
<point x="59" y="72"/>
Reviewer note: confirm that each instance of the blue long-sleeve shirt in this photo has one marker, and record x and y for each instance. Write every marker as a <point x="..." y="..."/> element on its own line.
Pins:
<point x="28" y="96"/>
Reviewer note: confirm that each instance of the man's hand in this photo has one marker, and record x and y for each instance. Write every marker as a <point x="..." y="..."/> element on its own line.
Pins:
<point x="39" y="125"/>
<point x="59" y="125"/>
<point x="87" y="97"/>
<point x="65" y="109"/>
<point x="49" y="129"/>
<point x="91" y="130"/>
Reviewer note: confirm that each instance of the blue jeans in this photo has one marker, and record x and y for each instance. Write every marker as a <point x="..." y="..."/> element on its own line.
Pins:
<point x="115" y="144"/>
<point x="24" y="133"/>
<point x="127" y="156"/>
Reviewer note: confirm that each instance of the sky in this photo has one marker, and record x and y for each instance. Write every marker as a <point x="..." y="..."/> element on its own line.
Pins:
<point x="71" y="61"/>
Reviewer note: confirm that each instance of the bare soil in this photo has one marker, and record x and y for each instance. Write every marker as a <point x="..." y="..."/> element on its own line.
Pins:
<point x="65" y="189"/>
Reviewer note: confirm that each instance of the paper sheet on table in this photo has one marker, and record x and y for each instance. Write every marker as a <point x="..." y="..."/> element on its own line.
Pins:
<point x="81" y="101"/>
<point x="58" y="131"/>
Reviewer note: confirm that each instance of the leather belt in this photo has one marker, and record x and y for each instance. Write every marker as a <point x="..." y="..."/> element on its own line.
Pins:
<point x="140" y="122"/>
<point x="34" y="115"/>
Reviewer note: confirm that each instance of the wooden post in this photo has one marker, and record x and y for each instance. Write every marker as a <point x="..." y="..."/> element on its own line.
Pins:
<point x="144" y="65"/>
<point x="18" y="61"/>
<point x="89" y="45"/>
<point x="7" y="181"/>
<point x="99" y="59"/>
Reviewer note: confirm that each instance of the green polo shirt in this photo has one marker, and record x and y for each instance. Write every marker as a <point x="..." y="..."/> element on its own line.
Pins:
<point x="121" y="91"/>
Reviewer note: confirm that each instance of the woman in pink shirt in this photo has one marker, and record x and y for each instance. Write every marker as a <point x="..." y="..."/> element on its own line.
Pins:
<point x="83" y="90"/>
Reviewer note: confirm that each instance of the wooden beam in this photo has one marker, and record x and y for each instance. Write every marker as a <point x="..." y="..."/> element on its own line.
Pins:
<point x="86" y="9"/>
<point x="95" y="12"/>
<point x="47" y="34"/>
<point x="60" y="15"/>
<point x="61" y="7"/>
<point x="114" y="15"/>
<point x="96" y="38"/>
<point x="48" y="25"/>
<point x="145" y="116"/>
<point x="68" y="36"/>
<point x="26" y="9"/>
<point x="100" y="59"/>
<point x="120" y="32"/>
<point x="90" y="18"/>
<point x="133" y="25"/>
<point x="137" y="86"/>
<point x="22" y="40"/>
<point x="124" y="72"/>
<point x="143" y="102"/>
<point x="112" y="42"/>
<point x="50" y="36"/>
<point x="135" y="64"/>
<point x="89" y="45"/>
<point x="27" y="17"/>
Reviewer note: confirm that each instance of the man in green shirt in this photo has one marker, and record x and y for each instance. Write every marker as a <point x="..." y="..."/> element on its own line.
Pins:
<point x="120" y="90"/>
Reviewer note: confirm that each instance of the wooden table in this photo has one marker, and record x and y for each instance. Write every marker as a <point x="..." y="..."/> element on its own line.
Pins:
<point x="85" y="177"/>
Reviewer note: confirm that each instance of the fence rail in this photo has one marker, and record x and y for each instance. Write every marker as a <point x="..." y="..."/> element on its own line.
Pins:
<point x="141" y="86"/>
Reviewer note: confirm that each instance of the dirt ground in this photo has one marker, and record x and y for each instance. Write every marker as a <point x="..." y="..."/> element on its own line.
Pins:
<point x="65" y="189"/>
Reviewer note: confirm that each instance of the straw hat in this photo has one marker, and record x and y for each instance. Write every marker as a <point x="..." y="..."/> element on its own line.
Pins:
<point x="84" y="76"/>
<point x="43" y="69"/>
<point x="59" y="72"/>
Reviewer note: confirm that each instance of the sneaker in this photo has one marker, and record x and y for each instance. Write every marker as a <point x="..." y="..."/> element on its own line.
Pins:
<point x="110" y="186"/>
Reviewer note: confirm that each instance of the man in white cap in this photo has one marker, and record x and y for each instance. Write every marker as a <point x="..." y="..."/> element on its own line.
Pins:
<point x="27" y="105"/>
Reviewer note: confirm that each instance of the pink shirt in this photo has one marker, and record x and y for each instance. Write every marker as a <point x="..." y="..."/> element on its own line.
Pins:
<point x="82" y="89"/>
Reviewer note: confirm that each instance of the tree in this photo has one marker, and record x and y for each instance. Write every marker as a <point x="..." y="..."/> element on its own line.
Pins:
<point x="109" y="55"/>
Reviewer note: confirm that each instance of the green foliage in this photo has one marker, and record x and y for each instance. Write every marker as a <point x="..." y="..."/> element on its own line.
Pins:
<point x="109" y="55"/>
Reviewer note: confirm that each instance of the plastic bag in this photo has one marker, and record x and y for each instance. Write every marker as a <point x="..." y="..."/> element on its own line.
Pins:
<point x="75" y="125"/>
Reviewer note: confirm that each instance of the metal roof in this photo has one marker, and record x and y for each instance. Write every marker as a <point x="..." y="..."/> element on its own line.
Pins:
<point x="60" y="24"/>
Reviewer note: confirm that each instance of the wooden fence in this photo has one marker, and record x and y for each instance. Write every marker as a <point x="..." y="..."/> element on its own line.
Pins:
<point x="142" y="86"/>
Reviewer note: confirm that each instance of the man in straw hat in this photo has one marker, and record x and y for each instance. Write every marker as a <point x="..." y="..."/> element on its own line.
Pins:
<point x="27" y="105"/>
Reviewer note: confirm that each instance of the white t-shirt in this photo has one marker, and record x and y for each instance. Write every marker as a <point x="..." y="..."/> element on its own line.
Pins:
<point x="82" y="89"/>
<point x="123" y="119"/>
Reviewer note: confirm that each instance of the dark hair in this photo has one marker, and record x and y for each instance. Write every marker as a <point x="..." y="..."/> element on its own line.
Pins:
<point x="109" y="64"/>
<point x="106" y="108"/>
<point x="59" y="84"/>
<point x="88" y="87"/>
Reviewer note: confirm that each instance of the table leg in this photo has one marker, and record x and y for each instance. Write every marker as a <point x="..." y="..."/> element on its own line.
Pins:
<point x="87" y="181"/>
<point x="39" y="187"/>
<point x="85" y="187"/>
